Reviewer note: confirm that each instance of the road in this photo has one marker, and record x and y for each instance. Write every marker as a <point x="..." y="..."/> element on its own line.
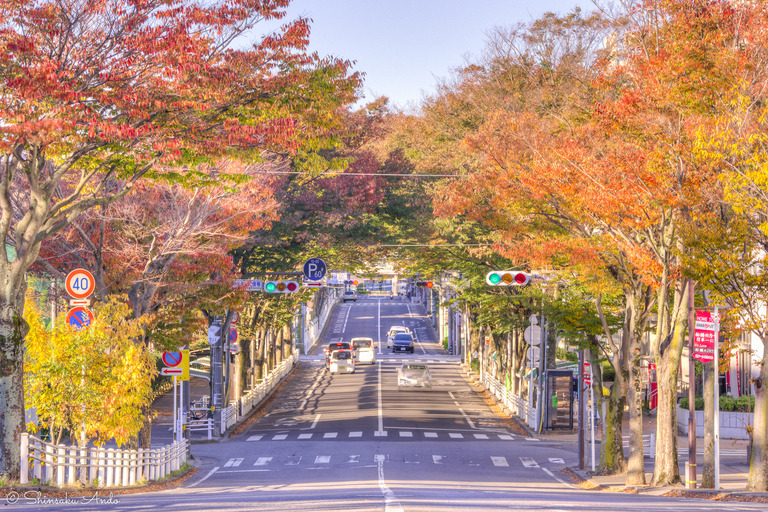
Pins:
<point x="354" y="442"/>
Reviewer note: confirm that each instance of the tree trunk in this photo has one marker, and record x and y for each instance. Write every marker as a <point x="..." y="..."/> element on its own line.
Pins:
<point x="12" y="332"/>
<point x="667" y="354"/>
<point x="611" y="452"/>
<point x="758" y="467"/>
<point x="636" y="461"/>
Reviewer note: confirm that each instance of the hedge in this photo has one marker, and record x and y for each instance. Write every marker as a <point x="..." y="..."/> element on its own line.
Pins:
<point x="744" y="403"/>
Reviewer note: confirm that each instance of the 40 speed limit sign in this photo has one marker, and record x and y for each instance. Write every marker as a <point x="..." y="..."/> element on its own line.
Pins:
<point x="79" y="283"/>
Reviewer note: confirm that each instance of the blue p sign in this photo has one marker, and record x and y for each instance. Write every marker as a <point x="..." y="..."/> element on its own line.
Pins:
<point x="314" y="269"/>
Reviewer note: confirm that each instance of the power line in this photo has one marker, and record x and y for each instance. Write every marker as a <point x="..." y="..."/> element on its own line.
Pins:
<point x="383" y="175"/>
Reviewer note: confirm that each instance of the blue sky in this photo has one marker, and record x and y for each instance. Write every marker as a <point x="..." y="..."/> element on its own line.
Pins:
<point x="403" y="46"/>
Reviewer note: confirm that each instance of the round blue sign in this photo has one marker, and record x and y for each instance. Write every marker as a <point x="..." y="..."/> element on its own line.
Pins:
<point x="314" y="269"/>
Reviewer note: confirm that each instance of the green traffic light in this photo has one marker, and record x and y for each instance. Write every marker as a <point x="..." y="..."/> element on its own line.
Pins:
<point x="494" y="278"/>
<point x="270" y="287"/>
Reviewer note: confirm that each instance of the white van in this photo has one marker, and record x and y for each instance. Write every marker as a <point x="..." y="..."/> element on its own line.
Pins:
<point x="364" y="350"/>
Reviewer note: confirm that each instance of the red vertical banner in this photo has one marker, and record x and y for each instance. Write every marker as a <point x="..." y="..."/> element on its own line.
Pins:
<point x="704" y="339"/>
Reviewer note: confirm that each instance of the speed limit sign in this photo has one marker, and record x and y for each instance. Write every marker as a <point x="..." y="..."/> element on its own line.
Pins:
<point x="79" y="283"/>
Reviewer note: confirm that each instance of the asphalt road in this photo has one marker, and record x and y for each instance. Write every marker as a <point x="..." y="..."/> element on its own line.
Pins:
<point x="354" y="442"/>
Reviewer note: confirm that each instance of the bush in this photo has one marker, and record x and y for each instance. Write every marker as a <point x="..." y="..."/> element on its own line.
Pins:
<point x="474" y="365"/>
<point x="566" y="355"/>
<point x="609" y="374"/>
<point x="744" y="403"/>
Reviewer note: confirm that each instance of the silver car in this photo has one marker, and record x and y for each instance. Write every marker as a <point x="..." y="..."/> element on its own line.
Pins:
<point x="394" y="330"/>
<point x="412" y="375"/>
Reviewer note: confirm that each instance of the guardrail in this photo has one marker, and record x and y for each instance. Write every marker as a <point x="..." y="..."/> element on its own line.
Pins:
<point x="514" y="403"/>
<point x="237" y="409"/>
<point x="649" y="444"/>
<point x="62" y="465"/>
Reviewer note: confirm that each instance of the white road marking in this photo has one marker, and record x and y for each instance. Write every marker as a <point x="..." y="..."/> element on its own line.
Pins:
<point x="456" y="435"/>
<point x="353" y="458"/>
<point x="529" y="462"/>
<point x="558" y="479"/>
<point x="314" y="423"/>
<point x="437" y="459"/>
<point x="312" y="389"/>
<point x="254" y="438"/>
<point x="344" y="329"/>
<point x="322" y="459"/>
<point x="279" y="437"/>
<point x="305" y="436"/>
<point x="380" y="433"/>
<point x="430" y="434"/>
<point x="293" y="461"/>
<point x="381" y="415"/>
<point x="406" y="434"/>
<point x="262" y="461"/>
<point x="330" y="435"/>
<point x="390" y="500"/>
<point x="232" y="463"/>
<point x="355" y="434"/>
<point x="556" y="460"/>
<point x="500" y="462"/>
<point x="506" y="437"/>
<point x="378" y="327"/>
<point x="210" y="473"/>
<point x="480" y="436"/>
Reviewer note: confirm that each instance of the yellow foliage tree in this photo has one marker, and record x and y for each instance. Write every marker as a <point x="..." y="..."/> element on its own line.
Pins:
<point x="94" y="380"/>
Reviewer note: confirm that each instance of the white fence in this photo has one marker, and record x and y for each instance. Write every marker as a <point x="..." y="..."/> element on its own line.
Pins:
<point x="62" y="465"/>
<point x="254" y="396"/>
<point x="514" y="403"/>
<point x="315" y="328"/>
<point x="649" y="444"/>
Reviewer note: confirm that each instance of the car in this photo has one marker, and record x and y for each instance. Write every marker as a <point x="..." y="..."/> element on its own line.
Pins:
<point x="363" y="349"/>
<point x="335" y="345"/>
<point x="394" y="330"/>
<point x="414" y="376"/>
<point x="403" y="342"/>
<point x="342" y="361"/>
<point x="350" y="295"/>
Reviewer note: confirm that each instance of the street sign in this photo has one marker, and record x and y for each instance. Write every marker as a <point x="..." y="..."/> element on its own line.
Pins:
<point x="176" y="364"/>
<point x="532" y="335"/>
<point x="213" y="334"/>
<point x="313" y="285"/>
<point x="233" y="335"/>
<point x="704" y="338"/>
<point x="79" y="283"/>
<point x="587" y="377"/>
<point x="235" y="317"/>
<point x="251" y="285"/>
<point x="79" y="317"/>
<point x="314" y="269"/>
<point x="533" y="354"/>
<point x="234" y="348"/>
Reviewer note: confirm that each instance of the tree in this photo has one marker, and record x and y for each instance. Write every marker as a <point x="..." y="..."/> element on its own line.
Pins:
<point x="97" y="95"/>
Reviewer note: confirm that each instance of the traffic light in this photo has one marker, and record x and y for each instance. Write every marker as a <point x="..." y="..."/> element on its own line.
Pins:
<point x="425" y="284"/>
<point x="281" y="286"/>
<point x="507" y="278"/>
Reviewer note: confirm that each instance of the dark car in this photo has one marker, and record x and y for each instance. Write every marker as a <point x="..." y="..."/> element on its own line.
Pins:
<point x="335" y="345"/>
<point x="403" y="342"/>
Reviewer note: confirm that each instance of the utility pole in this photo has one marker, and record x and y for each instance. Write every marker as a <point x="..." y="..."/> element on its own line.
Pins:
<point x="690" y="476"/>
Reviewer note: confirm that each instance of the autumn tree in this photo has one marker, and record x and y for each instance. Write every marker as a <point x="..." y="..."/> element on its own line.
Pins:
<point x="97" y="95"/>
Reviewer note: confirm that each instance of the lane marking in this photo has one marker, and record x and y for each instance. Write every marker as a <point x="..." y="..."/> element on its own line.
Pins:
<point x="356" y="434"/>
<point x="330" y="435"/>
<point x="232" y="463"/>
<point x="469" y="421"/>
<point x="529" y="462"/>
<point x="506" y="437"/>
<point x="406" y="434"/>
<point x="416" y="339"/>
<point x="456" y="435"/>
<point x="322" y="459"/>
<point x="390" y="500"/>
<point x="437" y="459"/>
<point x="556" y="460"/>
<point x="380" y="432"/>
<point x="254" y="438"/>
<point x="305" y="436"/>
<point x="430" y="434"/>
<point x="480" y="436"/>
<point x="353" y="458"/>
<point x="559" y="479"/>
<point x="314" y="423"/>
<point x="344" y="328"/>
<point x="500" y="462"/>
<point x="378" y="327"/>
<point x="206" y="477"/>
<point x="280" y="437"/>
<point x="262" y="461"/>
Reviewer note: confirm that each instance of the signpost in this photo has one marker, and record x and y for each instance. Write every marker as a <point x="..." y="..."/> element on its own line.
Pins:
<point x="177" y="365"/>
<point x="232" y="335"/>
<point x="314" y="269"/>
<point x="79" y="283"/>
<point x="704" y="340"/>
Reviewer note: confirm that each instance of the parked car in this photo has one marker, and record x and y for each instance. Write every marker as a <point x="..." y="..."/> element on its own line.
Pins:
<point x="403" y="342"/>
<point x="394" y="330"/>
<point x="364" y="350"/>
<point x="350" y="295"/>
<point x="414" y="376"/>
<point x="342" y="361"/>
<point x="335" y="345"/>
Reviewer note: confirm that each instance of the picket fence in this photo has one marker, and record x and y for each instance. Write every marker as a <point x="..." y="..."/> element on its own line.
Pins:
<point x="514" y="403"/>
<point x="61" y="465"/>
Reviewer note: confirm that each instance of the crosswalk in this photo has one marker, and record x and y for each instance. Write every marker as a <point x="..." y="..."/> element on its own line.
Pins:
<point x="495" y="461"/>
<point x="391" y="434"/>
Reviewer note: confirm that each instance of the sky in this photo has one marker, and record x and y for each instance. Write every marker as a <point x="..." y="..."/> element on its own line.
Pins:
<point x="405" y="46"/>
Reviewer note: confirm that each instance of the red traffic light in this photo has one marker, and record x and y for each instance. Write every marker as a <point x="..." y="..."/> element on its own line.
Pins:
<point x="291" y="286"/>
<point x="429" y="284"/>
